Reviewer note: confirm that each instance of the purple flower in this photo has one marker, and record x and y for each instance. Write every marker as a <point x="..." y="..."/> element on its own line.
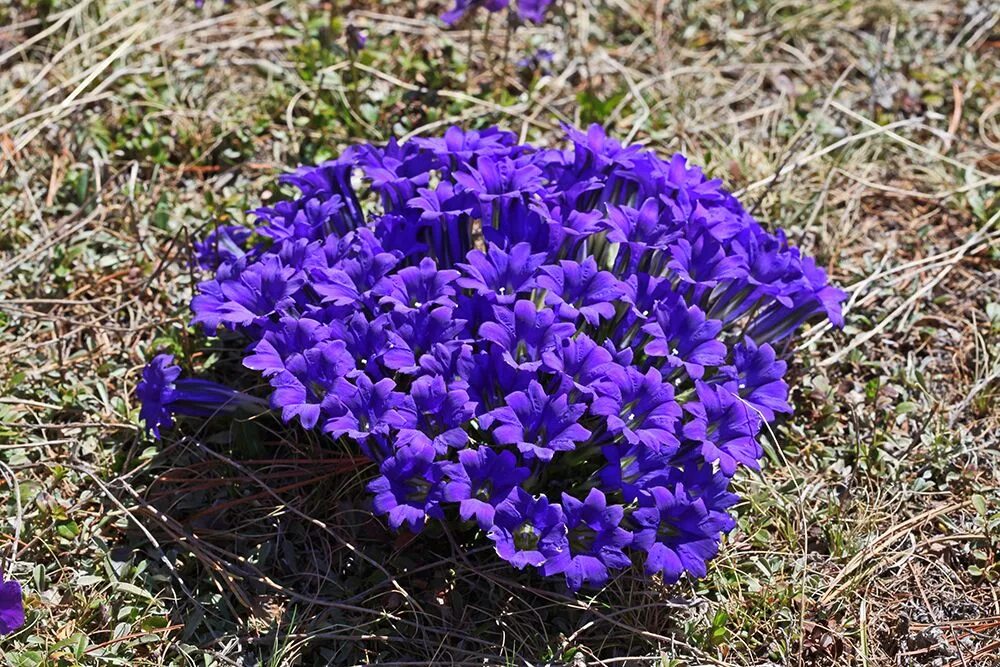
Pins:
<point x="679" y="520"/>
<point x="724" y="428"/>
<point x="462" y="7"/>
<point x="528" y="530"/>
<point x="363" y="409"/>
<point x="415" y="287"/>
<point x="677" y="531"/>
<point x="501" y="276"/>
<point x="704" y="262"/>
<point x="301" y="390"/>
<point x="596" y="542"/>
<point x="595" y="151"/>
<point x="538" y="423"/>
<point x="162" y="394"/>
<point x="580" y="289"/>
<point x="684" y="337"/>
<point x="636" y="229"/>
<point x="263" y="288"/>
<point x="498" y="179"/>
<point x="533" y="10"/>
<point x="356" y="38"/>
<point x="284" y="347"/>
<point x="641" y="409"/>
<point x="441" y="414"/>
<point x="525" y="333"/>
<point x="11" y="606"/>
<point x="373" y="343"/>
<point x="582" y="366"/>
<point x="408" y="488"/>
<point x="226" y="243"/>
<point x="396" y="171"/>
<point x="758" y="375"/>
<point x="480" y="480"/>
<point x="458" y="146"/>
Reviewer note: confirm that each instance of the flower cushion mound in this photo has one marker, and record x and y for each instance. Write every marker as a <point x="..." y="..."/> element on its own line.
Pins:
<point x="574" y="350"/>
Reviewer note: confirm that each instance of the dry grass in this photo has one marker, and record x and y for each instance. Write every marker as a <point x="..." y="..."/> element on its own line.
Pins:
<point x="869" y="130"/>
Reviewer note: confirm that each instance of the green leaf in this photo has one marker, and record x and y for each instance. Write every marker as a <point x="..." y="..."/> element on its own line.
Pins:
<point x="980" y="504"/>
<point x="134" y="590"/>
<point x="27" y="659"/>
<point x="68" y="530"/>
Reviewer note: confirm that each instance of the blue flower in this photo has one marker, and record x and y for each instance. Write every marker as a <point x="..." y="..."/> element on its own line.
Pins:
<point x="226" y="243"/>
<point x="684" y="337"/>
<point x="640" y="408"/>
<point x="365" y="409"/>
<point x="480" y="480"/>
<point x="758" y="375"/>
<point x="581" y="289"/>
<point x="538" y="423"/>
<point x="501" y="276"/>
<point x="300" y="390"/>
<point x="416" y="287"/>
<point x="408" y="488"/>
<point x="525" y="333"/>
<point x="441" y="414"/>
<point x="163" y="394"/>
<point x="595" y="539"/>
<point x="11" y="606"/>
<point x="582" y="366"/>
<point x="528" y="530"/>
<point x="725" y="429"/>
<point x="261" y="289"/>
<point x="680" y="527"/>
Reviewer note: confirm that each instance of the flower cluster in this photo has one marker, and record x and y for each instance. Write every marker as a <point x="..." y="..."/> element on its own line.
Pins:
<point x="574" y="350"/>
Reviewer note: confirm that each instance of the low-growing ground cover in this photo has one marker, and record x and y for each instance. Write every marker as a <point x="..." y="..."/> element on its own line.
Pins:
<point x="869" y="130"/>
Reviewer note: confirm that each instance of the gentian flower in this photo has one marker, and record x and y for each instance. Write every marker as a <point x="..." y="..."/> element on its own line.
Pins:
<point x="441" y="414"/>
<point x="480" y="480"/>
<point x="525" y="333"/>
<point x="364" y="408"/>
<point x="583" y="366"/>
<point x="301" y="390"/>
<point x="580" y="289"/>
<point x="11" y="606"/>
<point x="532" y="10"/>
<point x="758" y="373"/>
<point x="263" y="288"/>
<point x="462" y="7"/>
<point x="284" y="347"/>
<point x="408" y="488"/>
<point x="528" y="530"/>
<point x="501" y="276"/>
<point x="538" y="423"/>
<point x="417" y="287"/>
<point x="641" y="408"/>
<point x="725" y="427"/>
<point x="677" y="531"/>
<point x="596" y="541"/>
<point x="226" y="243"/>
<point x="684" y="337"/>
<point x="163" y="394"/>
